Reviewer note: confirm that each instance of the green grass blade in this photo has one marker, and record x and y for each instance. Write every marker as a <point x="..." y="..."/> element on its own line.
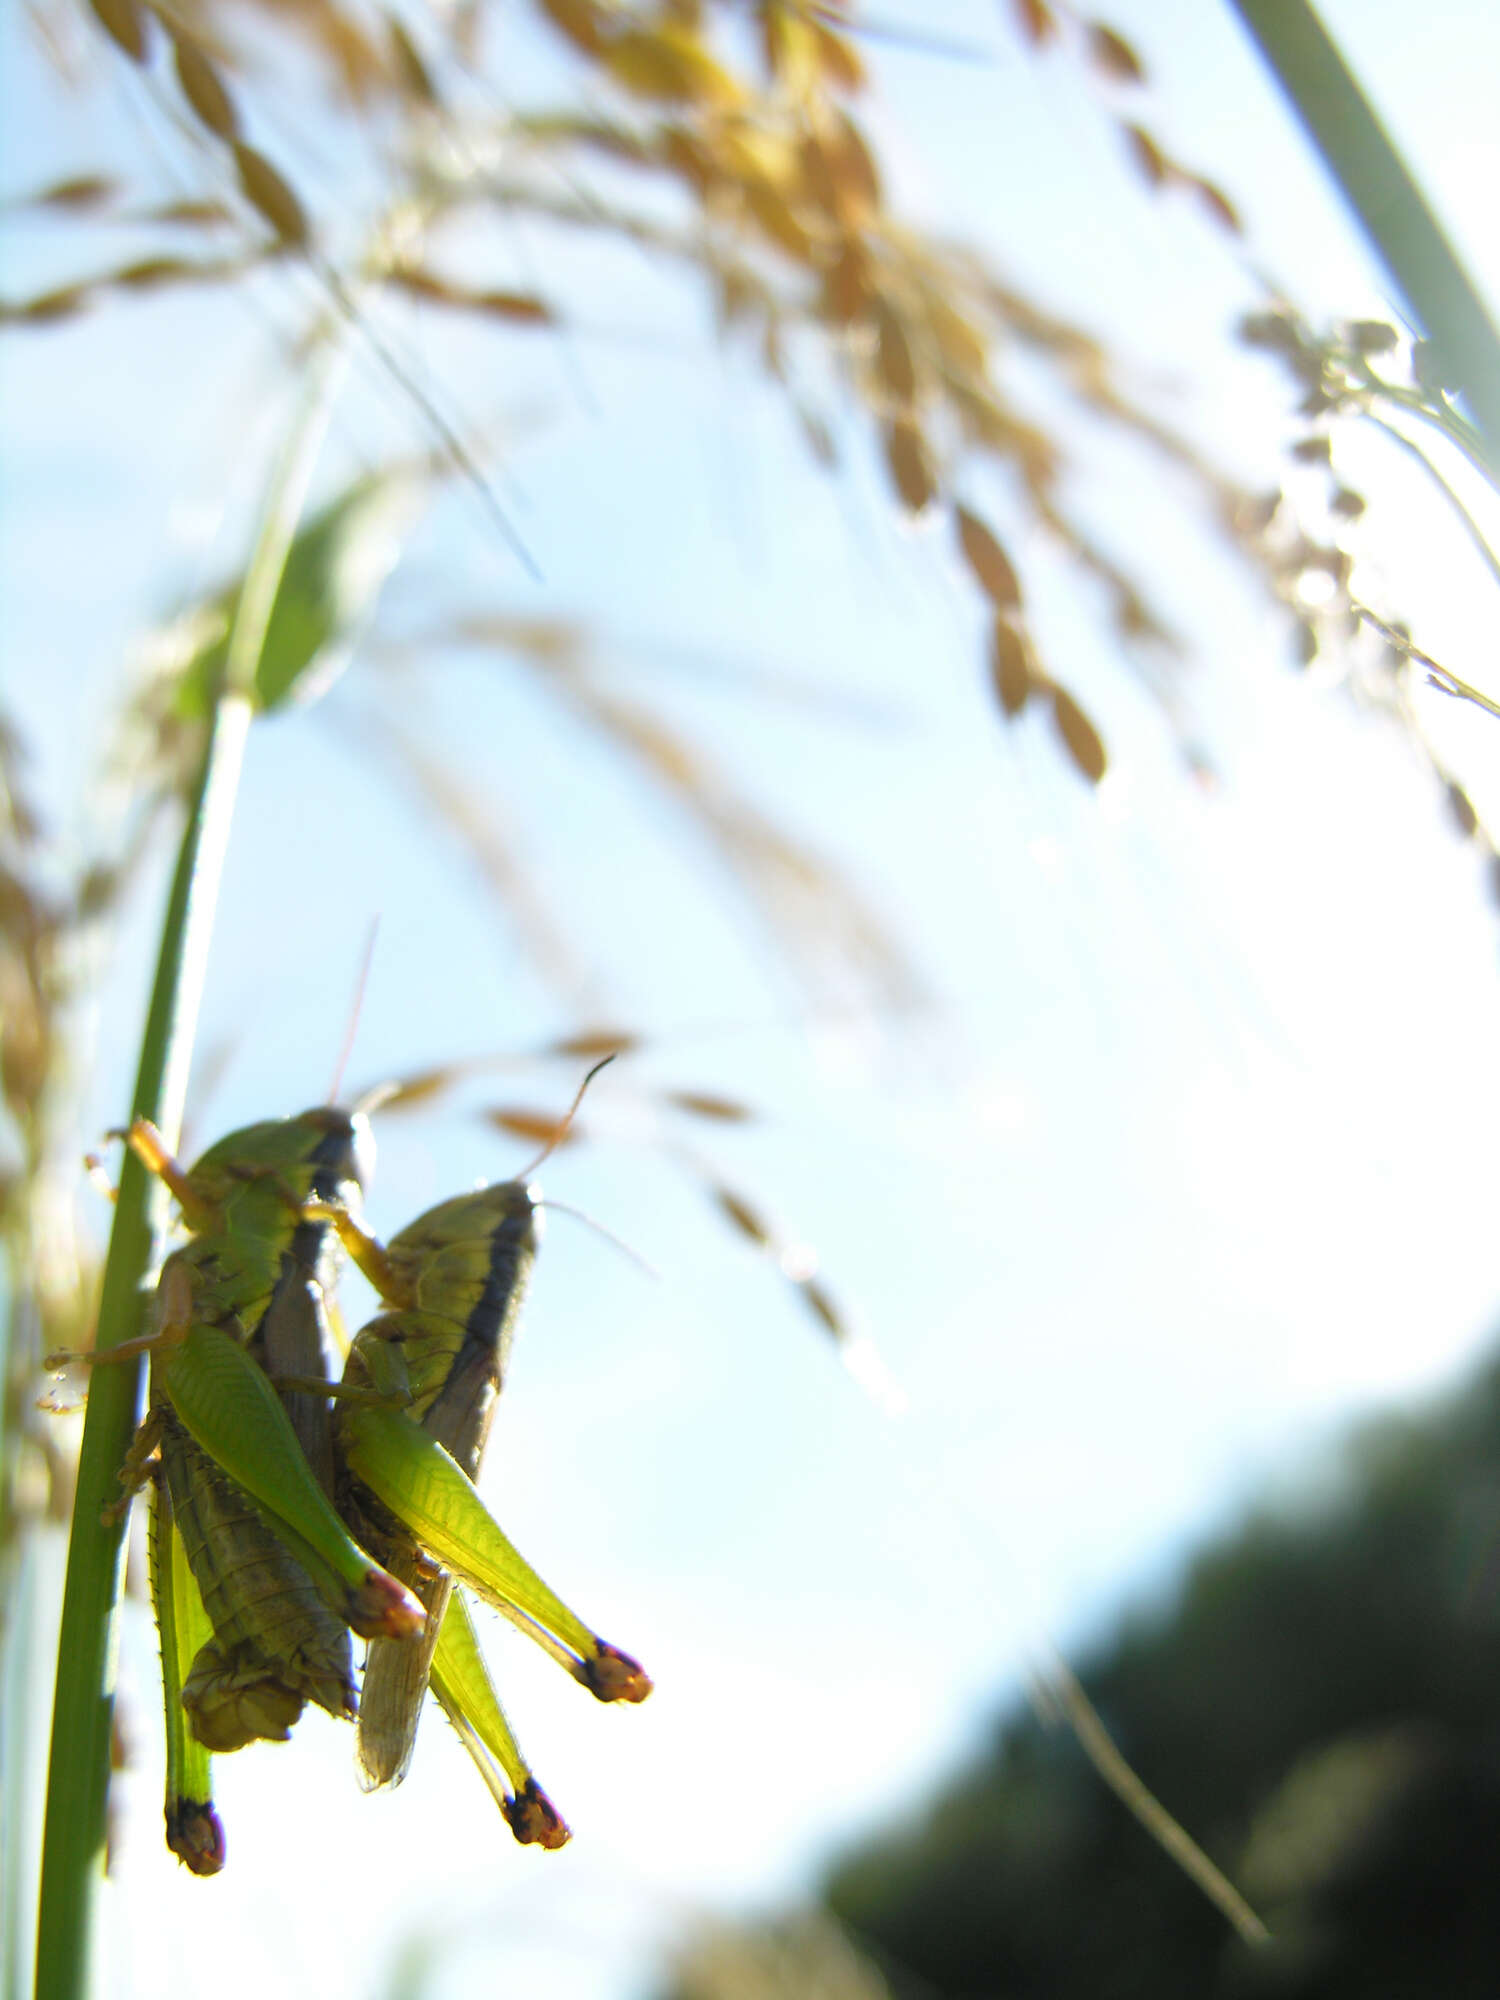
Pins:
<point x="1377" y="184"/>
<point x="83" y="1704"/>
<point x="78" y="1774"/>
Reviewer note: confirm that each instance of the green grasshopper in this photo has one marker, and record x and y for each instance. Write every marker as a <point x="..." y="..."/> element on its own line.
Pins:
<point x="256" y="1579"/>
<point x="411" y="1422"/>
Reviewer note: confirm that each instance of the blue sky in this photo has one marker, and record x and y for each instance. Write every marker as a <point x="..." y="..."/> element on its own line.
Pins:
<point x="1184" y="1158"/>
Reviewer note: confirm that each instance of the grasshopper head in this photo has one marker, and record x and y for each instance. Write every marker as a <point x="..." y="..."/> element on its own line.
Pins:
<point x="473" y="1243"/>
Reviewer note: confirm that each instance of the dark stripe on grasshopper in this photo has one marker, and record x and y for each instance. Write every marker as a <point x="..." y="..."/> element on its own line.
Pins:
<point x="465" y="1267"/>
<point x="275" y="1642"/>
<point x="461" y="1410"/>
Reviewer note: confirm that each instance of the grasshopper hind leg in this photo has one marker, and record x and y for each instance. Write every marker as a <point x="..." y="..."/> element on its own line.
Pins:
<point x="194" y="1833"/>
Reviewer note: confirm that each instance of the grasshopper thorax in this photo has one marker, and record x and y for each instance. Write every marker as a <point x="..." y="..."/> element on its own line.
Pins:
<point x="325" y="1152"/>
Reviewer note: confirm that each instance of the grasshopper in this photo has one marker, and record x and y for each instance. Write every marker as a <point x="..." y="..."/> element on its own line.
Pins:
<point x="412" y="1417"/>
<point x="256" y="1579"/>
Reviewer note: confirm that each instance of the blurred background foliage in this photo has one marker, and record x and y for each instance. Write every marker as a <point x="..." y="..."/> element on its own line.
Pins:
<point x="353" y="176"/>
<point x="1317" y="1697"/>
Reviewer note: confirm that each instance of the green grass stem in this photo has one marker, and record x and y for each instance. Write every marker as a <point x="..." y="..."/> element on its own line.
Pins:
<point x="1441" y="298"/>
<point x="78" y="1771"/>
<point x="73" y="1845"/>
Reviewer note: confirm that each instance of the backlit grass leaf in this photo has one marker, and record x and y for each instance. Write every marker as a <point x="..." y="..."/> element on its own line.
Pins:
<point x="992" y="567"/>
<point x="669" y="66"/>
<point x="838" y="60"/>
<point x="204" y="90"/>
<point x="124" y="21"/>
<point x="1036" y="20"/>
<point x="894" y="364"/>
<point x="1220" y="207"/>
<point x="745" y="1219"/>
<point x="851" y="165"/>
<point x="847" y="291"/>
<point x="338" y="561"/>
<point x="1149" y="158"/>
<point x="591" y="1043"/>
<point x="959" y="341"/>
<point x="705" y="1104"/>
<point x="1010" y="665"/>
<point x="1083" y="741"/>
<point x="778" y="222"/>
<point x="1113" y="56"/>
<point x="75" y="191"/>
<point x="540" y="1128"/>
<point x="789" y="43"/>
<point x="579" y="20"/>
<point x="1461" y="809"/>
<point x="910" y="463"/>
<point x="421" y="1087"/>
<point x="523" y="308"/>
<point x="148" y="274"/>
<point x="62" y="303"/>
<point x="413" y="77"/>
<point x="820" y="1302"/>
<point x="266" y="191"/>
<point x="191" y="213"/>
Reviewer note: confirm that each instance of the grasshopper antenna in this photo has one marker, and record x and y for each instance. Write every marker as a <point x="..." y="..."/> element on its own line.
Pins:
<point x="577" y="1213"/>
<point x="617" y="1242"/>
<point x="361" y="985"/>
<point x="562" y="1131"/>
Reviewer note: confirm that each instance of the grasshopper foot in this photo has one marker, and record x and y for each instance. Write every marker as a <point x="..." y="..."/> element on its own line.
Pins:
<point x="534" y="1820"/>
<point x="195" y="1836"/>
<point x="613" y="1676"/>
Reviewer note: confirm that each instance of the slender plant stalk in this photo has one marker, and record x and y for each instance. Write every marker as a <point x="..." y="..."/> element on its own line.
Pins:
<point x="78" y="1772"/>
<point x="1465" y="518"/>
<point x="1061" y="1687"/>
<point x="73" y="1846"/>
<point x="1375" y="181"/>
